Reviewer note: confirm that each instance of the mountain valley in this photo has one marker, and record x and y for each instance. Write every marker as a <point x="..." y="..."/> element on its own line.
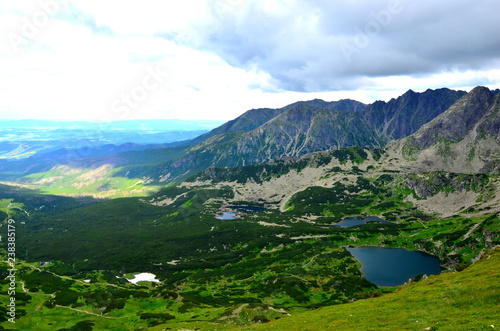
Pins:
<point x="426" y="163"/>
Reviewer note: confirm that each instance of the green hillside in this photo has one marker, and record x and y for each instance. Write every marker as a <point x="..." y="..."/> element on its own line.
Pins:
<point x="467" y="300"/>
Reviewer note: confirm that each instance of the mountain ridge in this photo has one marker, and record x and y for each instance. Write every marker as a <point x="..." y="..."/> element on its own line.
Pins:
<point x="299" y="129"/>
<point x="254" y="118"/>
<point x="404" y="115"/>
<point x="262" y="135"/>
<point x="465" y="138"/>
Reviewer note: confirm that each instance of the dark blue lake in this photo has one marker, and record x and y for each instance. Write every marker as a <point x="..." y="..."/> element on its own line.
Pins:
<point x="359" y="220"/>
<point x="394" y="266"/>
<point x="247" y="209"/>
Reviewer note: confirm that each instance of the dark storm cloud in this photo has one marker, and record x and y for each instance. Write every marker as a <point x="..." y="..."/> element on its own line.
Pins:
<point x="320" y="45"/>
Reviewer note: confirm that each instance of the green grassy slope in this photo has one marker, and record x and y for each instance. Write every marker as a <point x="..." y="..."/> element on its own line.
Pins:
<point x="467" y="300"/>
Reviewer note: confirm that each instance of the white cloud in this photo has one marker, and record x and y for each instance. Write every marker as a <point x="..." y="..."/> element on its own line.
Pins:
<point x="71" y="72"/>
<point x="145" y="17"/>
<point x="225" y="56"/>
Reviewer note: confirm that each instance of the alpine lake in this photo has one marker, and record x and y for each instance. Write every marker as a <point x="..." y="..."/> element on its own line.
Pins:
<point x="390" y="266"/>
<point x="381" y="266"/>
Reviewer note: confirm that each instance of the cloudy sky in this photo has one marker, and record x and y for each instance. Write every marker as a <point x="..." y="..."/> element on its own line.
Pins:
<point x="214" y="59"/>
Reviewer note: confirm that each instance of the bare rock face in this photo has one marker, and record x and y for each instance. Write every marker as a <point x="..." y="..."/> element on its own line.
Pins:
<point x="465" y="138"/>
<point x="403" y="116"/>
<point x="458" y="121"/>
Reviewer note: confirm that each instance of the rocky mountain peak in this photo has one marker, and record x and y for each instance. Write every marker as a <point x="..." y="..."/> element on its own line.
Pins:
<point x="404" y="115"/>
<point x="457" y="121"/>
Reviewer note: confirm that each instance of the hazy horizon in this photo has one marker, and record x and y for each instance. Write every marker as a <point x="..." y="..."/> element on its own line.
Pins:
<point x="108" y="120"/>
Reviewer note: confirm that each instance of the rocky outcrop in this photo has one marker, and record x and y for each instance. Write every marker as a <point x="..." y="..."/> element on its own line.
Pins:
<point x="429" y="184"/>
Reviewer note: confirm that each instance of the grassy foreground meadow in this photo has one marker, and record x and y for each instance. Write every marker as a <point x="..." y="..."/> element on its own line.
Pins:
<point x="465" y="300"/>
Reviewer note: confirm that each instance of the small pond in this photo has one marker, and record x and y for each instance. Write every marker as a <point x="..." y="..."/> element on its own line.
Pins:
<point x="359" y="220"/>
<point x="394" y="266"/>
<point x="231" y="215"/>
<point x="227" y="215"/>
<point x="247" y="209"/>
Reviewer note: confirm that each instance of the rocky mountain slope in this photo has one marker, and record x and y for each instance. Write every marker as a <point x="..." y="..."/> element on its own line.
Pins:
<point x="254" y="118"/>
<point x="403" y="116"/>
<point x="465" y="138"/>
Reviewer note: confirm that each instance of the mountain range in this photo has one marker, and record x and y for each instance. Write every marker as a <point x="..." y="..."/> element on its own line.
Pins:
<point x="263" y="135"/>
<point x="305" y="127"/>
